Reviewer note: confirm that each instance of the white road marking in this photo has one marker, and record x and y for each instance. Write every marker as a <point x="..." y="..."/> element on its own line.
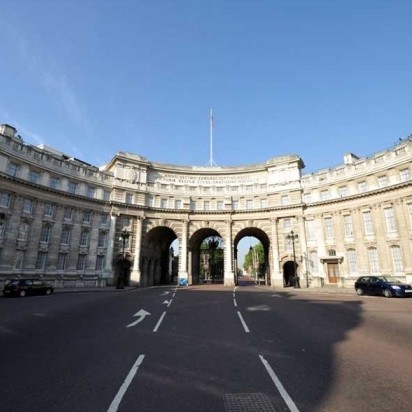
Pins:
<point x="288" y="400"/>
<point x="159" y="322"/>
<point x="142" y="314"/>
<point x="235" y="303"/>
<point x="243" y="322"/>
<point x="119" y="396"/>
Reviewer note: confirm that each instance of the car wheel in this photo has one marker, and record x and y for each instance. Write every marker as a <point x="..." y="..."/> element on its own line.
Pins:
<point x="359" y="291"/>
<point x="48" y="291"/>
<point x="22" y="293"/>
<point x="387" y="293"/>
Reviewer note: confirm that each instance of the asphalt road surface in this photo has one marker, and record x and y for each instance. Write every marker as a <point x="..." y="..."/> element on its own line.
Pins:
<point x="205" y="348"/>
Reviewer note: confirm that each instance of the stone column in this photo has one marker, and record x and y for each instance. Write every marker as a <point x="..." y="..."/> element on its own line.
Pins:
<point x="108" y="270"/>
<point x="276" y="273"/>
<point x="135" y="276"/>
<point x="183" y="253"/>
<point x="229" y="279"/>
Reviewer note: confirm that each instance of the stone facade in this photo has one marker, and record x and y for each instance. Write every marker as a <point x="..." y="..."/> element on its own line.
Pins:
<point x="63" y="219"/>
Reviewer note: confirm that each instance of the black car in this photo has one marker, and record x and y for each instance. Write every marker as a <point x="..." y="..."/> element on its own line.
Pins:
<point x="382" y="285"/>
<point x="25" y="287"/>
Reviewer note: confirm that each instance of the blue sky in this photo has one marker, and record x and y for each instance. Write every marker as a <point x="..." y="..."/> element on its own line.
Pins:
<point x="312" y="78"/>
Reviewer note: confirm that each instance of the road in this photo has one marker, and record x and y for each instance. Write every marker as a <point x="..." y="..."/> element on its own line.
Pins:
<point x="205" y="348"/>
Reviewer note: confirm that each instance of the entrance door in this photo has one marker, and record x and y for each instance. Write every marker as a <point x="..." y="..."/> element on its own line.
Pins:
<point x="333" y="272"/>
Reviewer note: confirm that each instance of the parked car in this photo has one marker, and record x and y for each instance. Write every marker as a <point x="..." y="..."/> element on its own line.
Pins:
<point x="382" y="285"/>
<point x="24" y="287"/>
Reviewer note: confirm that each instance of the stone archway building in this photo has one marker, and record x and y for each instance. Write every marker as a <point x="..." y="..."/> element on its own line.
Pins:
<point x="352" y="219"/>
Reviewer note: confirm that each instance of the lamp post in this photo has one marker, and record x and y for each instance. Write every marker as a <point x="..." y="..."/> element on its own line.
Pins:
<point x="213" y="244"/>
<point x="294" y="237"/>
<point x="124" y="236"/>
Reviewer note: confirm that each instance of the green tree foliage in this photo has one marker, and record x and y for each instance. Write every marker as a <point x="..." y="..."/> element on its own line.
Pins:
<point x="255" y="260"/>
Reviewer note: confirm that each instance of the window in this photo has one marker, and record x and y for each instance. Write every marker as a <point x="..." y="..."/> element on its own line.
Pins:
<point x="330" y="233"/>
<point x="12" y="169"/>
<point x="220" y="205"/>
<point x="72" y="187"/>
<point x="343" y="191"/>
<point x="61" y="263"/>
<point x="45" y="233"/>
<point x="87" y="214"/>
<point x="41" y="260"/>
<point x="104" y="218"/>
<point x="284" y="200"/>
<point x="405" y="175"/>
<point x="129" y="198"/>
<point x="106" y="195"/>
<point x="410" y="212"/>
<point x="193" y="205"/>
<point x="91" y="192"/>
<point x="324" y="195"/>
<point x="263" y="203"/>
<point x="397" y="259"/>
<point x="102" y="242"/>
<point x="311" y="229"/>
<point x="28" y="206"/>
<point x="23" y="232"/>
<point x="81" y="262"/>
<point x="368" y="224"/>
<point x="287" y="224"/>
<point x="68" y="213"/>
<point x="163" y="203"/>
<point x="235" y="204"/>
<point x="66" y="236"/>
<point x="390" y="220"/>
<point x="307" y="197"/>
<point x="348" y="226"/>
<point x="362" y="187"/>
<point x="5" y="199"/>
<point x="314" y="261"/>
<point x="373" y="260"/>
<point x="19" y="260"/>
<point x="178" y="204"/>
<point x="34" y="176"/>
<point x="2" y="228"/>
<point x="48" y="210"/>
<point x="249" y="204"/>
<point x="54" y="182"/>
<point x="100" y="262"/>
<point x="382" y="181"/>
<point x="84" y="237"/>
<point x="206" y="205"/>
<point x="352" y="261"/>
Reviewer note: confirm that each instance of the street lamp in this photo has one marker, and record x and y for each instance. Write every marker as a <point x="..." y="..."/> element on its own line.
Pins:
<point x="294" y="237"/>
<point x="124" y="236"/>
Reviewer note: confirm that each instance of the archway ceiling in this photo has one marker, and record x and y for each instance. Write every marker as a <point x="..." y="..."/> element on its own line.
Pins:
<point x="162" y="236"/>
<point x="253" y="232"/>
<point x="200" y="235"/>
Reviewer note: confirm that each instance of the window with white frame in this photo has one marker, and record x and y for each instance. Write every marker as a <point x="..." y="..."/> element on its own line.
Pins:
<point x="163" y="203"/>
<point x="405" y="175"/>
<point x="91" y="192"/>
<point x="5" y="199"/>
<point x="23" y="233"/>
<point x="54" y="182"/>
<point x="19" y="260"/>
<point x="102" y="242"/>
<point x="178" y="204"/>
<point x="368" y="223"/>
<point x="61" y="262"/>
<point x="397" y="259"/>
<point x="206" y="205"/>
<point x="383" y="181"/>
<point x="3" y="228"/>
<point x="249" y="204"/>
<point x="410" y="212"/>
<point x="235" y="204"/>
<point x="45" y="233"/>
<point x="87" y="215"/>
<point x="66" y="235"/>
<point x="390" y="219"/>
<point x="284" y="200"/>
<point x="28" y="206"/>
<point x="329" y="230"/>
<point x="343" y="191"/>
<point x="68" y="213"/>
<point x="220" y="205"/>
<point x="100" y="262"/>
<point x="314" y="261"/>
<point x="84" y="237"/>
<point x="129" y="198"/>
<point x="324" y="195"/>
<point x="104" y="219"/>
<point x="263" y="203"/>
<point x="348" y="225"/>
<point x="311" y="229"/>
<point x="41" y="260"/>
<point x="287" y="223"/>
<point x="362" y="187"/>
<point x="307" y="197"/>
<point x="34" y="176"/>
<point x="12" y="169"/>
<point x="106" y="195"/>
<point x="352" y="261"/>
<point x="81" y="262"/>
<point x="193" y="205"/>
<point x="374" y="260"/>
<point x="48" y="210"/>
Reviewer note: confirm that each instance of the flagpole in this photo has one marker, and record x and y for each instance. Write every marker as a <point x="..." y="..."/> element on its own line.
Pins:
<point x="211" y="161"/>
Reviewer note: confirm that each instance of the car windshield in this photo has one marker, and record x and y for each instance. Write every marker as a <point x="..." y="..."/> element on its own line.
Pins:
<point x="388" y="279"/>
<point x="13" y="282"/>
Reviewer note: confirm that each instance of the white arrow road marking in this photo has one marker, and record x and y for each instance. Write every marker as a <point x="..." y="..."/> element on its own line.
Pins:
<point x="164" y="293"/>
<point x="142" y="314"/>
<point x="167" y="302"/>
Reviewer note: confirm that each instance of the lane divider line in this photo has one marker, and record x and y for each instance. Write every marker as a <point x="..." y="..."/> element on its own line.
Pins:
<point x="235" y="303"/>
<point x="114" y="406"/>
<point x="288" y="400"/>
<point x="243" y="322"/>
<point x="159" y="322"/>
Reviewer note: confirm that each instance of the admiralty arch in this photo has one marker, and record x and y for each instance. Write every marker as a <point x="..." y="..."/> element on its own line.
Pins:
<point x="76" y="224"/>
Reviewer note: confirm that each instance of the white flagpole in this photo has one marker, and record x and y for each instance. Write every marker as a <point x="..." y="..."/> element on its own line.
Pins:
<point x="211" y="161"/>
